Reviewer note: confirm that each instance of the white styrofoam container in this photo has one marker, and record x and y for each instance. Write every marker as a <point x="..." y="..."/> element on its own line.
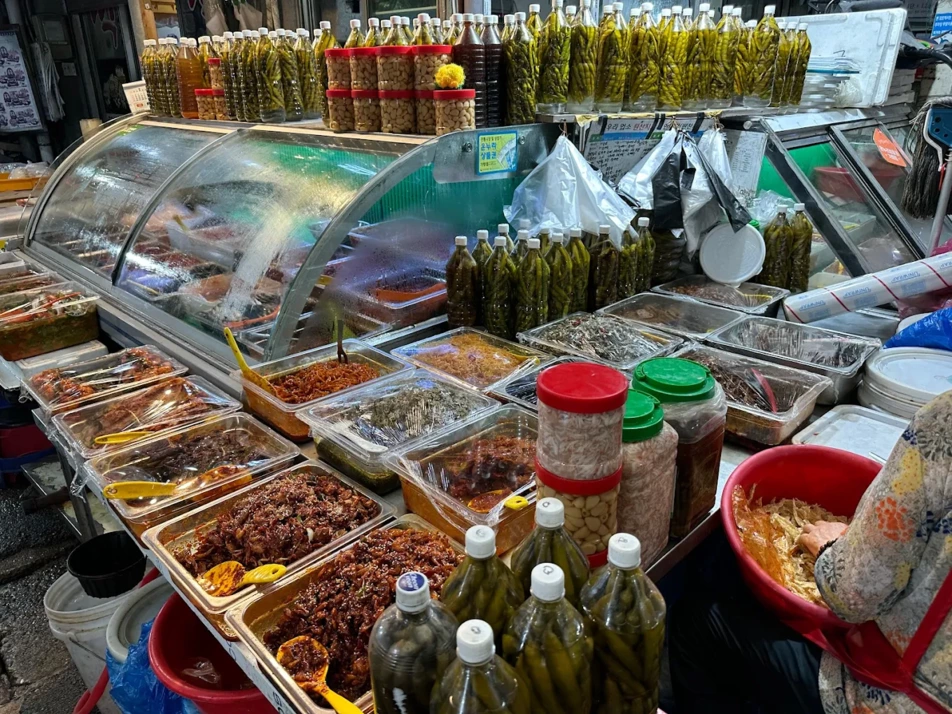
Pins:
<point x="863" y="431"/>
<point x="871" y="39"/>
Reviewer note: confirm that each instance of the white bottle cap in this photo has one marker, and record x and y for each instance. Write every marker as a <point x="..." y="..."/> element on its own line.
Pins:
<point x="262" y="31"/>
<point x="405" y="21"/>
<point x="509" y="19"/>
<point x="355" y="24"/>
<point x="649" y="6"/>
<point x="447" y="24"/>
<point x="558" y="3"/>
<point x="550" y="513"/>
<point x="385" y="24"/>
<point x="643" y="222"/>
<point x="255" y="35"/>
<point x="460" y="240"/>
<point x="666" y="12"/>
<point x="522" y="235"/>
<point x="624" y="551"/>
<point x="727" y="9"/>
<point x="148" y="43"/>
<point x="571" y="9"/>
<point x="802" y="26"/>
<point x="395" y="19"/>
<point x="435" y="21"/>
<point x="281" y="32"/>
<point x="799" y="206"/>
<point x="520" y="17"/>
<point x="534" y="243"/>
<point x="216" y="38"/>
<point x="318" y="32"/>
<point x="534" y="7"/>
<point x="424" y="18"/>
<point x="575" y="232"/>
<point x="634" y="12"/>
<point x="619" y="6"/>
<point x="770" y="9"/>
<point x="468" y="17"/>
<point x="704" y="7"/>
<point x="204" y="38"/>
<point x="302" y="32"/>
<point x="782" y="209"/>
<point x="477" y="18"/>
<point x="608" y="10"/>
<point x="325" y="25"/>
<point x="557" y="238"/>
<point x="737" y="12"/>
<point x="499" y="242"/>
<point x="413" y="592"/>
<point x="751" y="24"/>
<point x="604" y="230"/>
<point x="474" y="642"/>
<point x="782" y="24"/>
<point x="502" y="229"/>
<point x="373" y="22"/>
<point x="677" y="10"/>
<point x="687" y="12"/>
<point x="547" y="582"/>
<point x="482" y="235"/>
<point x="586" y="3"/>
<point x="229" y="35"/>
<point x="480" y="542"/>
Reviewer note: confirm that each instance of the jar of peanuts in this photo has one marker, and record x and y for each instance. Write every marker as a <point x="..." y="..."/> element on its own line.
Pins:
<point x="221" y="108"/>
<point x="396" y="113"/>
<point x="363" y="68"/>
<point x="394" y="69"/>
<point x="455" y="110"/>
<point x="338" y="68"/>
<point x="341" y="108"/>
<point x="425" y="112"/>
<point x="366" y="109"/>
<point x="214" y="73"/>
<point x="426" y="60"/>
<point x="205" y="100"/>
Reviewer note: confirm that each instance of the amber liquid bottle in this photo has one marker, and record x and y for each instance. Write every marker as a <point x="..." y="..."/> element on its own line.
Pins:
<point x="188" y="70"/>
<point x="469" y="52"/>
<point x="495" y="79"/>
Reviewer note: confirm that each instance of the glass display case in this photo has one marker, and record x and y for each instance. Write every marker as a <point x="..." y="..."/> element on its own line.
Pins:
<point x="277" y="232"/>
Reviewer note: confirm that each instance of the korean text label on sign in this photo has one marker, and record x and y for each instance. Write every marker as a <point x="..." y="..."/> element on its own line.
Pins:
<point x="497" y="152"/>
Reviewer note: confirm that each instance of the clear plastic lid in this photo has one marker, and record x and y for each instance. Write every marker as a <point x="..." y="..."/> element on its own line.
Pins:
<point x="521" y="388"/>
<point x="61" y="358"/>
<point x="677" y="315"/>
<point x="66" y="299"/>
<point x="751" y="298"/>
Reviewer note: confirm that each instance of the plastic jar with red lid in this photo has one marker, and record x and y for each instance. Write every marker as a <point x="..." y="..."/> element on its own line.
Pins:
<point x="205" y="100"/>
<point x="396" y="113"/>
<point x="363" y="68"/>
<point x="425" y="112"/>
<point x="340" y="106"/>
<point x="338" y="68"/>
<point x="427" y="59"/>
<point x="366" y="110"/>
<point x="394" y="68"/>
<point x="455" y="110"/>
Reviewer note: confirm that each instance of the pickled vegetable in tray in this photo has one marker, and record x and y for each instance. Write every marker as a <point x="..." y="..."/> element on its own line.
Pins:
<point x="64" y="388"/>
<point x="155" y="409"/>
<point x="348" y="593"/>
<point x="282" y="521"/>
<point x="473" y="357"/>
<point x="604" y="337"/>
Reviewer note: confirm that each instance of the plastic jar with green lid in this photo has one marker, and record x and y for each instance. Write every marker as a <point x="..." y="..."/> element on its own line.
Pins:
<point x="695" y="406"/>
<point x="649" y="451"/>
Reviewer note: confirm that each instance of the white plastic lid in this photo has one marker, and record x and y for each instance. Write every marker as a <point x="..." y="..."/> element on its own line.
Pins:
<point x="204" y="38"/>
<point x="502" y="229"/>
<point x="523" y="222"/>
<point x="447" y="24"/>
<point x="731" y="258"/>
<point x="604" y="230"/>
<point x="643" y="222"/>
<point x="802" y="26"/>
<point x="354" y="24"/>
<point x="460" y="240"/>
<point x="704" y="7"/>
<point x="608" y="10"/>
<point x="482" y="235"/>
<point x="262" y="30"/>
<point x="557" y="238"/>
<point x="783" y="210"/>
<point x="395" y="19"/>
<point x="799" y="206"/>
<point x="477" y="17"/>
<point x="253" y="34"/>
<point x="619" y="6"/>
<point x="534" y="243"/>
<point x="547" y="582"/>
<point x="230" y="35"/>
<point x="424" y="17"/>
<point x="782" y="24"/>
<point x="915" y="374"/>
<point x="413" y="592"/>
<point x="571" y="9"/>
<point x="435" y="21"/>
<point x="385" y="24"/>
<point x="624" y="551"/>
<point x="737" y="11"/>
<point x="751" y="24"/>
<point x="676" y="10"/>
<point x="325" y="25"/>
<point x="575" y="232"/>
<point x="148" y="43"/>
<point x="727" y="9"/>
<point x="318" y="32"/>
<point x="534" y="7"/>
<point x="509" y="19"/>
<point x="687" y="12"/>
<point x="216" y="38"/>
<point x="468" y="17"/>
<point x="634" y="12"/>
<point x="770" y="9"/>
<point x="666" y="12"/>
<point x="457" y="16"/>
<point x="499" y="242"/>
<point x="474" y="642"/>
<point x="301" y="32"/>
<point x="558" y="3"/>
<point x="480" y="542"/>
<point x="522" y="235"/>
<point x="405" y="21"/>
<point x="550" y="513"/>
<point x="281" y="32"/>
<point x="374" y="22"/>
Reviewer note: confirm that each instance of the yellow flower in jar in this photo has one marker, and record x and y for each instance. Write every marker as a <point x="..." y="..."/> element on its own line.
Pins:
<point x="450" y="76"/>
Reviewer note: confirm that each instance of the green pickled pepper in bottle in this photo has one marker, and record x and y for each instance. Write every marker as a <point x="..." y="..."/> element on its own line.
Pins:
<point x="725" y="58"/>
<point x="644" y="74"/>
<point x="290" y="78"/>
<point x="628" y="266"/>
<point x="503" y="230"/>
<point x="356" y="37"/>
<point x="581" y="267"/>
<point x="561" y="278"/>
<point x="611" y="72"/>
<point x="206" y="52"/>
<point x="249" y="76"/>
<point x="800" y="247"/>
<point x="645" y="243"/>
<point x="462" y="287"/>
<point x="545" y="240"/>
<point x="270" y="83"/>
<point x="521" y="248"/>
<point x="498" y="291"/>
<point x="307" y="74"/>
<point x="373" y="38"/>
<point x="701" y="60"/>
<point x="325" y="41"/>
<point x="625" y="614"/>
<point x="764" y="44"/>
<point x="481" y="254"/>
<point x="554" y="47"/>
<point x="799" y="69"/>
<point x="785" y="54"/>
<point x="674" y="57"/>
<point x="532" y="289"/>
<point x="606" y="256"/>
<point x="778" y="240"/>
<point x="583" y="63"/>
<point x="522" y="73"/>
<point x="534" y="21"/>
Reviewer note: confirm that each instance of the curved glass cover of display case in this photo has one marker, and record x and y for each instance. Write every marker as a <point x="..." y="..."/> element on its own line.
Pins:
<point x="96" y="202"/>
<point x="230" y="232"/>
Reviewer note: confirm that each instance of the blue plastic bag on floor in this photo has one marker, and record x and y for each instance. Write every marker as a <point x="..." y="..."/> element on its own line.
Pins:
<point x="933" y="331"/>
<point x="134" y="687"/>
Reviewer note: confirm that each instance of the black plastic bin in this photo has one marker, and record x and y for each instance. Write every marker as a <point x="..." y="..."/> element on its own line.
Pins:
<point x="107" y="565"/>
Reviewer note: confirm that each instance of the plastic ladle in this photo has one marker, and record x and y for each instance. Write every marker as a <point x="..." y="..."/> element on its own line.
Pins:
<point x="130" y="490"/>
<point x="313" y="679"/>
<point x="248" y="373"/>
<point x="225" y="578"/>
<point x="122" y="437"/>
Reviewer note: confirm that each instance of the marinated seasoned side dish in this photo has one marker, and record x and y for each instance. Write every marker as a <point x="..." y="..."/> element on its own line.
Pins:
<point x="471" y="358"/>
<point x="348" y="594"/>
<point x="319" y="380"/>
<point x="281" y="522"/>
<point x="496" y="466"/>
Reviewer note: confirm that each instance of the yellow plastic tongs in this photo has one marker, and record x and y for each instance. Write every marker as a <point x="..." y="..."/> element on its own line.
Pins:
<point x="248" y="373"/>
<point x="122" y="437"/>
<point x="123" y="490"/>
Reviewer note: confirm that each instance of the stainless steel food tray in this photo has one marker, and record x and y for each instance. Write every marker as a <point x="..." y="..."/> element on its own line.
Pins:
<point x="691" y="319"/>
<point x="767" y="307"/>
<point x="251" y="618"/>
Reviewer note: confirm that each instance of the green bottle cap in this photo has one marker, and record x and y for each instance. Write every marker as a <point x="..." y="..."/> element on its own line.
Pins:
<point x="671" y="379"/>
<point x="644" y="417"/>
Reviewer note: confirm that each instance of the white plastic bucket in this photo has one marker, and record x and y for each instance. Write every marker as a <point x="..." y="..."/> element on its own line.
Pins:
<point x="139" y="607"/>
<point x="79" y="622"/>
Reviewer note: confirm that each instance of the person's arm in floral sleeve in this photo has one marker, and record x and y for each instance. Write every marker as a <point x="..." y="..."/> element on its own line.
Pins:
<point x="865" y="571"/>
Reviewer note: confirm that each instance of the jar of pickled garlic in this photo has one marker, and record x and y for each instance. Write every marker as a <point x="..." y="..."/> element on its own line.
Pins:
<point x="427" y="59"/>
<point x="363" y="68"/>
<point x="340" y="106"/>
<point x="221" y="108"/>
<point x="205" y="99"/>
<point x="338" y="68"/>
<point x="455" y="110"/>
<point x="366" y="110"/>
<point x="396" y="113"/>
<point x="394" y="68"/>
<point x="214" y="73"/>
<point x="425" y="112"/>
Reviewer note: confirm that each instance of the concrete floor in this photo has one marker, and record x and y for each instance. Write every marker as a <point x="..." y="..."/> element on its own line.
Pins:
<point x="36" y="673"/>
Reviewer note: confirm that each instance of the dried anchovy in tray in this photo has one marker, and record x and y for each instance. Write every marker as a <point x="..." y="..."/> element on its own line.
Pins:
<point x="604" y="337"/>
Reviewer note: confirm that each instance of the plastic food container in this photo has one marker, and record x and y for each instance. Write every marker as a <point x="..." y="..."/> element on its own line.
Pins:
<point x="60" y="358"/>
<point x="425" y="112"/>
<point x="340" y="106"/>
<point x="312" y="332"/>
<point x="467" y="476"/>
<point x="750" y="384"/>
<point x="42" y="320"/>
<point x="154" y="410"/>
<point x="581" y="407"/>
<point x="62" y="389"/>
<point x="402" y="297"/>
<point x="679" y="316"/>
<point x="749" y="298"/>
<point x="338" y="68"/>
<point x="107" y="565"/>
<point x="520" y="388"/>
<point x="835" y="355"/>
<point x="396" y="113"/>
<point x="255" y="616"/>
<point x="18" y="285"/>
<point x="394" y="68"/>
<point x="221" y="108"/>
<point x="695" y="406"/>
<point x="427" y="59"/>
<point x="169" y="540"/>
<point x="649" y="455"/>
<point x="366" y="108"/>
<point x="865" y="432"/>
<point x="472" y="358"/>
<point x="900" y="380"/>
<point x="205" y="99"/>
<point x="282" y="415"/>
<point x="363" y="68"/>
<point x="355" y="432"/>
<point x="455" y="110"/>
<point x="234" y="449"/>
<point x="605" y="338"/>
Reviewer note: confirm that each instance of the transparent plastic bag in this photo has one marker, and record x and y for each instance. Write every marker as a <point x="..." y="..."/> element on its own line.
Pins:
<point x="637" y="183"/>
<point x="565" y="191"/>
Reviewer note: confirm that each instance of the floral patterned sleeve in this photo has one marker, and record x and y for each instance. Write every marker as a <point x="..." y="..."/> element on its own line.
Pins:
<point x="864" y="573"/>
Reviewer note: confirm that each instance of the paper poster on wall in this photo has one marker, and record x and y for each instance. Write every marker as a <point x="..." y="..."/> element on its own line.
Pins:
<point x="18" y="109"/>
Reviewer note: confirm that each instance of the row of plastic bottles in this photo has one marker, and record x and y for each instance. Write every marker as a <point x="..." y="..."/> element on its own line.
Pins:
<point x="545" y="636"/>
<point x="513" y="287"/>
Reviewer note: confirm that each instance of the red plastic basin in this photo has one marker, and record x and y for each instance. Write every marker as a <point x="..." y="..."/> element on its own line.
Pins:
<point x="828" y="477"/>
<point x="178" y="639"/>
